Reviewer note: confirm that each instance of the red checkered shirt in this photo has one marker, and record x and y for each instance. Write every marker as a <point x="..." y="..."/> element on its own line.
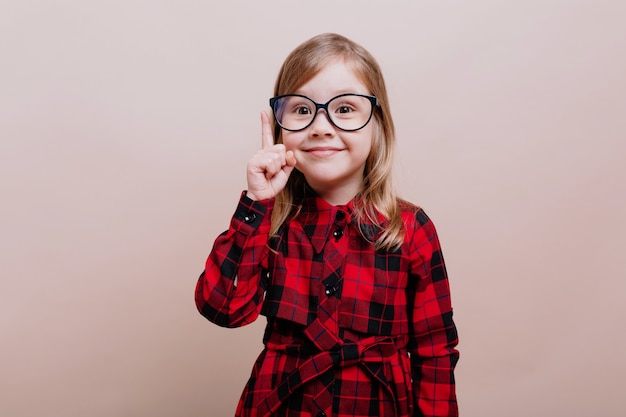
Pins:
<point x="351" y="331"/>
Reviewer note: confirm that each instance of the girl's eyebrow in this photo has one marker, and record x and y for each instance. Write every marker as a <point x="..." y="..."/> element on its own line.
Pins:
<point x="335" y="93"/>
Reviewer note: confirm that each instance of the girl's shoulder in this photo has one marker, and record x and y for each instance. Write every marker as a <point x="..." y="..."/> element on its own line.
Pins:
<point x="413" y="216"/>
<point x="407" y="207"/>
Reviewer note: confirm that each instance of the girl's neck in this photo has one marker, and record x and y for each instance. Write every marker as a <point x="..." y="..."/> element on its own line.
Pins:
<point x="337" y="195"/>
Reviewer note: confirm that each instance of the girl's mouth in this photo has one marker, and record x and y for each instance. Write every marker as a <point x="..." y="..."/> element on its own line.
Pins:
<point x="323" y="151"/>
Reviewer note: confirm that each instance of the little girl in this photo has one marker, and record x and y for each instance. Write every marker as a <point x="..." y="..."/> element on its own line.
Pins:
<point x="350" y="277"/>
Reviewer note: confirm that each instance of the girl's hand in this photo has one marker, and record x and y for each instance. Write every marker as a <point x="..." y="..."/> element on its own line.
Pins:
<point x="269" y="169"/>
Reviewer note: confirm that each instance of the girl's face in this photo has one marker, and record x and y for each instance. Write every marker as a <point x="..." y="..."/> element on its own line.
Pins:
<point x="331" y="160"/>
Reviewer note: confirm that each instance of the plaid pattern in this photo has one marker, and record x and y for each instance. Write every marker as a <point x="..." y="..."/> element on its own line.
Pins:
<point x="351" y="331"/>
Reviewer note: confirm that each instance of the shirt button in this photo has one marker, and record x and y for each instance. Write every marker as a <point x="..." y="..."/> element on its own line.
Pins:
<point x="321" y="414"/>
<point x="340" y="215"/>
<point x="249" y="218"/>
<point x="330" y="290"/>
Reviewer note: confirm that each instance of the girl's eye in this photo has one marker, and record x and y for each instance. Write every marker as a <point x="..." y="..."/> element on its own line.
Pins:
<point x="344" y="109"/>
<point x="302" y="110"/>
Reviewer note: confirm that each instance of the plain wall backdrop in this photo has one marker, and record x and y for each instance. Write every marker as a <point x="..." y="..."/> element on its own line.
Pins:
<point x="125" y="127"/>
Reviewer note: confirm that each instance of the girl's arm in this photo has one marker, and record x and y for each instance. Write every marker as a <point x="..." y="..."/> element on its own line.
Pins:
<point x="230" y="290"/>
<point x="434" y="336"/>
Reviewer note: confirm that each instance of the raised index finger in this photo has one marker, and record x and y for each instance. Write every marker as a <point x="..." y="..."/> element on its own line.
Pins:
<point x="267" y="138"/>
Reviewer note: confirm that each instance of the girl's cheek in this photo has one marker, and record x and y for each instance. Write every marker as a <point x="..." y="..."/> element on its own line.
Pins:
<point x="290" y="141"/>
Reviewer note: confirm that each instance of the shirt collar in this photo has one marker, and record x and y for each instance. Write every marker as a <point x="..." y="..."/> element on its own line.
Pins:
<point x="320" y="219"/>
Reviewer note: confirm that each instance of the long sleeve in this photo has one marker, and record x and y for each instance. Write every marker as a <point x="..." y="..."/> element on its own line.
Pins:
<point x="230" y="290"/>
<point x="434" y="335"/>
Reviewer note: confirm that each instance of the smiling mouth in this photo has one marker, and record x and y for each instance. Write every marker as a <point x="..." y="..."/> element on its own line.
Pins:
<point x="323" y="152"/>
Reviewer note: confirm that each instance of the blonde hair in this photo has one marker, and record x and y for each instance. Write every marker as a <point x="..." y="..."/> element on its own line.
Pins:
<point x="377" y="194"/>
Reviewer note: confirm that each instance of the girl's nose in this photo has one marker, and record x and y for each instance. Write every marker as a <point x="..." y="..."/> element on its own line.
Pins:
<point x="321" y="126"/>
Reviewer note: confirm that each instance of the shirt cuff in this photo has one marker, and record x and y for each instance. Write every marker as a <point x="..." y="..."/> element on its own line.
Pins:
<point x="249" y="214"/>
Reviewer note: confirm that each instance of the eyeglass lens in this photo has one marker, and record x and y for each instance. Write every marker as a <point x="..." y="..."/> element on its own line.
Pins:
<point x="347" y="112"/>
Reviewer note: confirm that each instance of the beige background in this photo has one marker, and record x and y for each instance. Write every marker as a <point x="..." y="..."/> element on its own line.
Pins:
<point x="125" y="127"/>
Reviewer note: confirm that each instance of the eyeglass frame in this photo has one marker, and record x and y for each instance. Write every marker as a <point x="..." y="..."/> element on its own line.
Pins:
<point x="373" y="100"/>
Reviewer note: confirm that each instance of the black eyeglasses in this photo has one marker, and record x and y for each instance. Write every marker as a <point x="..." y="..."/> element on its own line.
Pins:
<point x="347" y="112"/>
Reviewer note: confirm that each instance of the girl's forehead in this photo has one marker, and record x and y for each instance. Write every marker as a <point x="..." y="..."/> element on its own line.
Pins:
<point x="335" y="77"/>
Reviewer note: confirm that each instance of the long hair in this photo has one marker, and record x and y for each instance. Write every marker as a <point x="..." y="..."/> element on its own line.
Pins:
<point x="377" y="195"/>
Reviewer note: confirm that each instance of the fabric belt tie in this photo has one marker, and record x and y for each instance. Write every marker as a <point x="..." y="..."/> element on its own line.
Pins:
<point x="372" y="352"/>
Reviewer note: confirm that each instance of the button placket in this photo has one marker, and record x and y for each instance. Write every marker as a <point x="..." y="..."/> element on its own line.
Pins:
<point x="339" y="225"/>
